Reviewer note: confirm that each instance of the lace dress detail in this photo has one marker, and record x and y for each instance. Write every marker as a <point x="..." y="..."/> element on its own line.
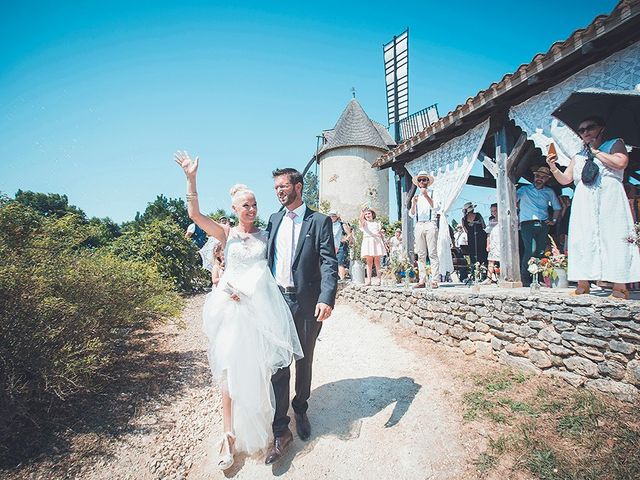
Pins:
<point x="249" y="339"/>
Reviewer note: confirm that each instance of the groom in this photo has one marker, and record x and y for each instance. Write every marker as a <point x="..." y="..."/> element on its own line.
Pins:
<point x="303" y="261"/>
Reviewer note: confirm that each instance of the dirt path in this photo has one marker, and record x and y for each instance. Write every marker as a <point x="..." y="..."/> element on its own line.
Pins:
<point x="383" y="405"/>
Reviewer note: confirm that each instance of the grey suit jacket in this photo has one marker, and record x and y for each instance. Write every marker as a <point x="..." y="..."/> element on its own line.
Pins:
<point x="315" y="268"/>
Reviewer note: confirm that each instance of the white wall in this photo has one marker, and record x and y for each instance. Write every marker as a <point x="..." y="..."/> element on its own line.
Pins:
<point x="347" y="181"/>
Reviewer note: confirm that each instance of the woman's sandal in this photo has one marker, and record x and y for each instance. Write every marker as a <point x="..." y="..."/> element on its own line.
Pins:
<point x="225" y="460"/>
<point x="581" y="291"/>
<point x="619" y="294"/>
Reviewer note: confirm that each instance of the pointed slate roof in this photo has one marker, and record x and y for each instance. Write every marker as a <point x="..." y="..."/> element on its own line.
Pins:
<point x="355" y="128"/>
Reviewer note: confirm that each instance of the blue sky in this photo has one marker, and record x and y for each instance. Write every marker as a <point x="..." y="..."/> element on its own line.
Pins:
<point x="96" y="96"/>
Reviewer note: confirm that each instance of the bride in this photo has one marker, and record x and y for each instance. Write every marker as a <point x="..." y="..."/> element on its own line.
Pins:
<point x="249" y="326"/>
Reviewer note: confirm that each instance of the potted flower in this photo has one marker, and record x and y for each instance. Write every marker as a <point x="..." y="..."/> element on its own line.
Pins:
<point x="402" y="269"/>
<point x="389" y="277"/>
<point x="556" y="266"/>
<point x="545" y="268"/>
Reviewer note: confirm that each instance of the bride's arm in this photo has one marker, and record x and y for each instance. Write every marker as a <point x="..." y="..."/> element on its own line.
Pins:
<point x="190" y="169"/>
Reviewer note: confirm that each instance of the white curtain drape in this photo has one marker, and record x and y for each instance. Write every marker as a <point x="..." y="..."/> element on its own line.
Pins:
<point x="451" y="166"/>
<point x="620" y="71"/>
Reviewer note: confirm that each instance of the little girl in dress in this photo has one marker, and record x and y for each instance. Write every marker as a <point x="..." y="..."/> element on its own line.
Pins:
<point x="372" y="244"/>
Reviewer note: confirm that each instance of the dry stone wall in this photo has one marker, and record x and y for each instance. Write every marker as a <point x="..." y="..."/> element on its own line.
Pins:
<point x="584" y="340"/>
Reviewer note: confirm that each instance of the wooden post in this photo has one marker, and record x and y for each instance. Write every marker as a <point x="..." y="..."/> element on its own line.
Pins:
<point x="507" y="211"/>
<point x="408" y="238"/>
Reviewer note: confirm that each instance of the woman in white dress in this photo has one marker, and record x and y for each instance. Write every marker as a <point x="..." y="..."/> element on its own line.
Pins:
<point x="601" y="225"/>
<point x="493" y="245"/>
<point x="373" y="247"/>
<point x="249" y="326"/>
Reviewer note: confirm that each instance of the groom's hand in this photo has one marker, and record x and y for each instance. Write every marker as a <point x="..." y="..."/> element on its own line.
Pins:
<point x="323" y="311"/>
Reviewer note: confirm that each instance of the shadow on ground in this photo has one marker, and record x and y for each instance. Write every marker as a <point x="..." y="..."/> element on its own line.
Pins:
<point x="141" y="371"/>
<point x="337" y="409"/>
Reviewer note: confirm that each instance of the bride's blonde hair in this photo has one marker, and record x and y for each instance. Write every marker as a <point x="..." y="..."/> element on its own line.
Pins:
<point x="238" y="191"/>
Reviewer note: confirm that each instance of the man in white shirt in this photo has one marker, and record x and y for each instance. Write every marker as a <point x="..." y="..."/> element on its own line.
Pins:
<point x="302" y="257"/>
<point x="425" y="213"/>
<point x="533" y="202"/>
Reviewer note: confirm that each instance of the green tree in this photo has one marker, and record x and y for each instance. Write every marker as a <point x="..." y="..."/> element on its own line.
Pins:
<point x="259" y="222"/>
<point x="162" y="208"/>
<point x="105" y="231"/>
<point x="48" y="204"/>
<point x="310" y="194"/>
<point x="221" y="212"/>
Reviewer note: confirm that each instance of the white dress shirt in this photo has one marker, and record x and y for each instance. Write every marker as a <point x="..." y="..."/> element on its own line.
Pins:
<point x="284" y="251"/>
<point x="424" y="211"/>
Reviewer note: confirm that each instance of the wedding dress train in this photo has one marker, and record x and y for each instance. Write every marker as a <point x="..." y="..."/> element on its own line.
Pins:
<point x="249" y="339"/>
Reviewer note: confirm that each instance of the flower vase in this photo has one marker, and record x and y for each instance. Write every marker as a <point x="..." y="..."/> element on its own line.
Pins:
<point x="561" y="280"/>
<point x="357" y="272"/>
<point x="407" y="281"/>
<point x="534" y="289"/>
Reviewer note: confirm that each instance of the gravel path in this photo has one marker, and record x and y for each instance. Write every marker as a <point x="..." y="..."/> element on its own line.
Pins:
<point x="382" y="406"/>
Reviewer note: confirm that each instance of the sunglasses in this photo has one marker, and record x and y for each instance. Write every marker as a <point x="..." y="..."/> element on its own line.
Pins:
<point x="587" y="128"/>
<point x="423" y="180"/>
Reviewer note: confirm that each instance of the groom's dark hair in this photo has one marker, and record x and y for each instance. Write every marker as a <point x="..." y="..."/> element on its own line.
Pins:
<point x="294" y="175"/>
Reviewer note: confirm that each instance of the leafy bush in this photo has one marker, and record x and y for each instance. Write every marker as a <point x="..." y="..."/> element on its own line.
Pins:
<point x="161" y="243"/>
<point x="63" y="311"/>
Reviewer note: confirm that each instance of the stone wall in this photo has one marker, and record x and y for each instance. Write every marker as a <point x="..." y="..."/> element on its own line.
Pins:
<point x="584" y="340"/>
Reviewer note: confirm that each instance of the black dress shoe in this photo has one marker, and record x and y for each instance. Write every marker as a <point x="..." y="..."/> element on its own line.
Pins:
<point x="303" y="427"/>
<point x="279" y="447"/>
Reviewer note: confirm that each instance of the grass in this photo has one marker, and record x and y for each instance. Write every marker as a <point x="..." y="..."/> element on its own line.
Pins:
<point x="584" y="412"/>
<point x="553" y="431"/>
<point x="544" y="465"/>
<point x="486" y="462"/>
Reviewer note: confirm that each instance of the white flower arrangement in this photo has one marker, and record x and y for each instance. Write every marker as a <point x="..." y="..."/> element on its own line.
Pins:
<point x="534" y="266"/>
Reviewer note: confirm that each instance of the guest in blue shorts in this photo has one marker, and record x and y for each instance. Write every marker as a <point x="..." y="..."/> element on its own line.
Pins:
<point x="342" y="238"/>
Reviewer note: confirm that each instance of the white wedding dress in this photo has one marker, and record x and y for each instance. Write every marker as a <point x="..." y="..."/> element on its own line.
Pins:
<point x="600" y="227"/>
<point x="250" y="339"/>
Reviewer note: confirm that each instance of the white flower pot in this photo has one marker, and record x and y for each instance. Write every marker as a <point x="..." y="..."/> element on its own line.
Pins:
<point x="561" y="280"/>
<point x="357" y="272"/>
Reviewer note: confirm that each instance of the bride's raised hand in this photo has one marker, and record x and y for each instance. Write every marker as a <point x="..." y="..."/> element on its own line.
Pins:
<point x="189" y="167"/>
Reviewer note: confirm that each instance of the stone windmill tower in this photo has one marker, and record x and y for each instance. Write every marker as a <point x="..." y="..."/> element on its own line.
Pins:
<point x="346" y="178"/>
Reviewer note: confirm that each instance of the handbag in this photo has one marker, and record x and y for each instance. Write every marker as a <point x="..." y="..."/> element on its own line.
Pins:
<point x="590" y="170"/>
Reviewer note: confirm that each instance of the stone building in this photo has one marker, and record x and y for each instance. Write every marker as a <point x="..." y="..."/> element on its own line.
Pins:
<point x="346" y="178"/>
